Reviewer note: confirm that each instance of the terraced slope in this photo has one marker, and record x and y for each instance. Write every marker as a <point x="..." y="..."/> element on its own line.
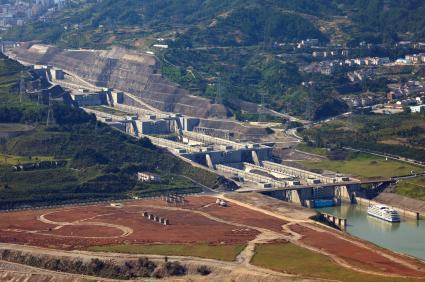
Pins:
<point x="125" y="71"/>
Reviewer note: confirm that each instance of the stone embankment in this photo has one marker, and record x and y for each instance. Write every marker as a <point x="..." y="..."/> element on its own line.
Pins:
<point x="125" y="71"/>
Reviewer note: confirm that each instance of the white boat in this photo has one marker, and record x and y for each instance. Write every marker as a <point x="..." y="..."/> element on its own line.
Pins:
<point x="384" y="212"/>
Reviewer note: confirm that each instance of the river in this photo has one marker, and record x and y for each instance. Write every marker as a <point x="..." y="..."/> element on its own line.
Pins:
<point x="407" y="237"/>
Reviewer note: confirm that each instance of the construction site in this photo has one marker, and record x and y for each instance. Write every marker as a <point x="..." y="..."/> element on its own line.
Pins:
<point x="124" y="90"/>
<point x="272" y="205"/>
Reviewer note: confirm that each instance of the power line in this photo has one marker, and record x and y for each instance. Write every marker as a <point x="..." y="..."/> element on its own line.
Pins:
<point x="218" y="98"/>
<point x="267" y="31"/>
<point x="39" y="91"/>
<point x="21" y="87"/>
<point x="49" y="111"/>
<point x="262" y="108"/>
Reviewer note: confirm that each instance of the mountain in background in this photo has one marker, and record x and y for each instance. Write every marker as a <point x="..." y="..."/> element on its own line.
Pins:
<point x="225" y="50"/>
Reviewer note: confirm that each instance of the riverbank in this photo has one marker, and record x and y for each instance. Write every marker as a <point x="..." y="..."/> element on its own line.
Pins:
<point x="407" y="237"/>
<point x="395" y="201"/>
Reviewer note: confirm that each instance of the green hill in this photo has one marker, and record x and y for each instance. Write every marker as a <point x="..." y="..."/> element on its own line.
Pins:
<point x="230" y="46"/>
<point x="95" y="162"/>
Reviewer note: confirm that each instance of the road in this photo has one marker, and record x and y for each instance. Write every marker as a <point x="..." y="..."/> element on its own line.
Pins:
<point x="293" y="132"/>
<point x="392" y="157"/>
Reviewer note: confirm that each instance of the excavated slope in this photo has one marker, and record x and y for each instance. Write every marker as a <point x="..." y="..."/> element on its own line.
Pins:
<point x="125" y="71"/>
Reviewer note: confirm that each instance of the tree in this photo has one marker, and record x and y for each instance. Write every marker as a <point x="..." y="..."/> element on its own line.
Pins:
<point x="3" y="147"/>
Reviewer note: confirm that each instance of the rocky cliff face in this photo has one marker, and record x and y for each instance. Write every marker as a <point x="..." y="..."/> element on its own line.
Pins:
<point x="125" y="71"/>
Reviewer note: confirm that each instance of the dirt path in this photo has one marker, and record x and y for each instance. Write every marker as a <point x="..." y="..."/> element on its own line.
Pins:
<point x="220" y="267"/>
<point x="292" y="231"/>
<point x="242" y="264"/>
<point x="295" y="238"/>
<point x="126" y="231"/>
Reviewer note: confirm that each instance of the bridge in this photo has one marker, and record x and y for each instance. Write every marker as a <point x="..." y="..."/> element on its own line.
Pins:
<point x="312" y="195"/>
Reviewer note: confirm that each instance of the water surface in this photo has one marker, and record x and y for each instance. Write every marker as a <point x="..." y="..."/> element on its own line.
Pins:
<point x="406" y="237"/>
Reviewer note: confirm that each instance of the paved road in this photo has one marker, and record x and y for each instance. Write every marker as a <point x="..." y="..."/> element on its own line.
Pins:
<point x="392" y="157"/>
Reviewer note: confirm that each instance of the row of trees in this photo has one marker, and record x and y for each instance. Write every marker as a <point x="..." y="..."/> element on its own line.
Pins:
<point x="143" y="267"/>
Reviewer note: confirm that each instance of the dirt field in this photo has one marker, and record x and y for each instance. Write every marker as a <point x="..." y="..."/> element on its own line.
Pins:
<point x="80" y="227"/>
<point x="363" y="256"/>
<point x="249" y="219"/>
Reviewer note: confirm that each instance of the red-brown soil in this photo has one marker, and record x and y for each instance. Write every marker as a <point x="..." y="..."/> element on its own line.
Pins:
<point x="365" y="257"/>
<point x="197" y="221"/>
<point x="233" y="213"/>
<point x="83" y="231"/>
<point x="186" y="226"/>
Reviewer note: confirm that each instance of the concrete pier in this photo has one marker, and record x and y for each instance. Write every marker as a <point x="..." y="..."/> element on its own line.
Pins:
<point x="341" y="223"/>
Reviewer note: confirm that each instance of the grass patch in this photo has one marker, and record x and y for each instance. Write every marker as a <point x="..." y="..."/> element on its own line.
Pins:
<point x="14" y="160"/>
<point x="364" y="166"/>
<point x="290" y="258"/>
<point x="13" y="127"/>
<point x="312" y="150"/>
<point x="108" y="110"/>
<point x="218" y="252"/>
<point x="412" y="188"/>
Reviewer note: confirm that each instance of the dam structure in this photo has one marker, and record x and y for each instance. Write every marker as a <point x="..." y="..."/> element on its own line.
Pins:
<point x="145" y="105"/>
<point x="135" y="74"/>
<point x="248" y="164"/>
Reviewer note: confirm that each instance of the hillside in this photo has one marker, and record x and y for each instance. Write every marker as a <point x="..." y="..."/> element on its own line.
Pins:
<point x="108" y="68"/>
<point x="88" y="23"/>
<point x="375" y="133"/>
<point x="226" y="50"/>
<point x="78" y="159"/>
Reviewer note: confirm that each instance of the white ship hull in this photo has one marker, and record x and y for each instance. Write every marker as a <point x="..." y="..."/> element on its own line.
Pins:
<point x="384" y="213"/>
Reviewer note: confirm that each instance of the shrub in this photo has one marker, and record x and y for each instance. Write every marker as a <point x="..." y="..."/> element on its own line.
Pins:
<point x="204" y="270"/>
<point x="175" y="268"/>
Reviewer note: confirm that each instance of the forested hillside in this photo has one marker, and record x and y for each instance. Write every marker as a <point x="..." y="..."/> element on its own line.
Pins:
<point x="226" y="50"/>
<point x="75" y="158"/>
<point x="385" y="21"/>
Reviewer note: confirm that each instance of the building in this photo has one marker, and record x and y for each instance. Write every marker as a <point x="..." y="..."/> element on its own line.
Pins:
<point x="161" y="46"/>
<point x="417" y="109"/>
<point x="416" y="58"/>
<point x="148" y="177"/>
<point x="310" y="42"/>
<point x="57" y="74"/>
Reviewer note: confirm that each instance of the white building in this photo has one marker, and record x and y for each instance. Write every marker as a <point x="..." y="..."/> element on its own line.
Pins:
<point x="148" y="177"/>
<point x="417" y="109"/>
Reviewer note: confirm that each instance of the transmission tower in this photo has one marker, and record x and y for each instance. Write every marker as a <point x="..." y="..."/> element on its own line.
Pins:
<point x="218" y="98"/>
<point x="262" y="108"/>
<point x="39" y="91"/>
<point x="49" y="111"/>
<point x="267" y="28"/>
<point x="95" y="127"/>
<point x="21" y="87"/>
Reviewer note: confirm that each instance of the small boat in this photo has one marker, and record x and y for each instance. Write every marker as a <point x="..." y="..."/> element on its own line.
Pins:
<point x="384" y="212"/>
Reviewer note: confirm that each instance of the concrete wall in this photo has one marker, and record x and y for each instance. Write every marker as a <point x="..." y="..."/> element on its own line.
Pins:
<point x="153" y="126"/>
<point x="229" y="156"/>
<point x="348" y="192"/>
<point x="100" y="114"/>
<point x="248" y="167"/>
<point x="214" y="140"/>
<point x="247" y="176"/>
<point x="188" y="123"/>
<point x="403" y="212"/>
<point x="297" y="172"/>
<point x="168" y="144"/>
<point x="117" y="97"/>
<point x="89" y="99"/>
